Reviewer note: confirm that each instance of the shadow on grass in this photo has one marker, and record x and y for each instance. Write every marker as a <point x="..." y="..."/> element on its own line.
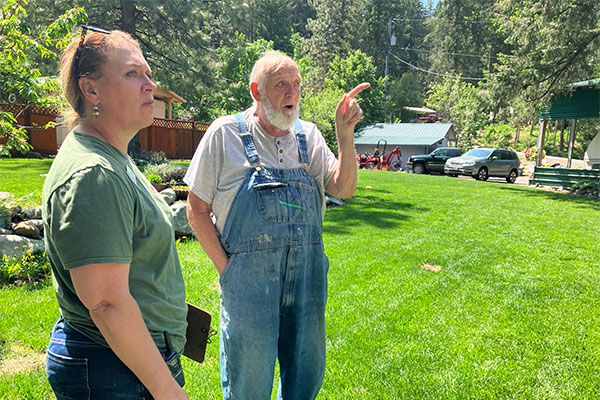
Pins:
<point x="366" y="209"/>
<point x="580" y="201"/>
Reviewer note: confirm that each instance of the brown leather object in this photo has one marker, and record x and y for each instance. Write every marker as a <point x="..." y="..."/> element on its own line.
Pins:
<point x="198" y="333"/>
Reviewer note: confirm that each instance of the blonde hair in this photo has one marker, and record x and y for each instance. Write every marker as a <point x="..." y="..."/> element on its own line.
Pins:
<point x="92" y="55"/>
<point x="270" y="62"/>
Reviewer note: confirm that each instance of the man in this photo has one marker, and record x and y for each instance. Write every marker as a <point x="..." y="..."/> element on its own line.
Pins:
<point x="262" y="174"/>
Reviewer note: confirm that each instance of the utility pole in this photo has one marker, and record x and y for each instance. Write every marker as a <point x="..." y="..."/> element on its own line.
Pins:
<point x="391" y="41"/>
<point x="387" y="53"/>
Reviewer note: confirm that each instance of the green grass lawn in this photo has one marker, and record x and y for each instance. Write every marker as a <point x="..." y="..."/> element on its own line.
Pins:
<point x="24" y="176"/>
<point x="512" y="314"/>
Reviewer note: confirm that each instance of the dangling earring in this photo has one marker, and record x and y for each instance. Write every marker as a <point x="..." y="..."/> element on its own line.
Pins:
<point x="95" y="111"/>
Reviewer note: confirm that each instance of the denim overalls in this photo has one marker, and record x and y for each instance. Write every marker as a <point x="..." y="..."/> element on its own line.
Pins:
<point x="274" y="286"/>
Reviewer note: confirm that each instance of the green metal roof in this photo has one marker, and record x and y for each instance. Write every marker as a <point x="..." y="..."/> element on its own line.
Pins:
<point x="583" y="101"/>
<point x="591" y="83"/>
<point x="404" y="134"/>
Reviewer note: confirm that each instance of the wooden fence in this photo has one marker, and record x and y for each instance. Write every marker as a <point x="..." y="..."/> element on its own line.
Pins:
<point x="177" y="139"/>
<point x="42" y="140"/>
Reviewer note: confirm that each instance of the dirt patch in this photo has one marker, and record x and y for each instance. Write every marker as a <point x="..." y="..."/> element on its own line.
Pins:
<point x="21" y="359"/>
<point x="430" y="267"/>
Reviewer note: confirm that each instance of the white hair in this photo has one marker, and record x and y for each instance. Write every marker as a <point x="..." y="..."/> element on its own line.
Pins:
<point x="270" y="62"/>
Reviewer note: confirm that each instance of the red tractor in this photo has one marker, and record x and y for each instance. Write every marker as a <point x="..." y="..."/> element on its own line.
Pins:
<point x="381" y="161"/>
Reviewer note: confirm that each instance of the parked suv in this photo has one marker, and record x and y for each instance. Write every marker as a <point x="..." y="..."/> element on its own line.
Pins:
<point x="432" y="162"/>
<point x="482" y="163"/>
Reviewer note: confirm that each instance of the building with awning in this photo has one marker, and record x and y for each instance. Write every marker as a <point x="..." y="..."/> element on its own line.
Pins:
<point x="163" y="102"/>
<point x="412" y="139"/>
<point x="575" y="101"/>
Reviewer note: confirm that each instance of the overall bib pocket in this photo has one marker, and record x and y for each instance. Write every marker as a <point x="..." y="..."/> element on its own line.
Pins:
<point x="289" y="203"/>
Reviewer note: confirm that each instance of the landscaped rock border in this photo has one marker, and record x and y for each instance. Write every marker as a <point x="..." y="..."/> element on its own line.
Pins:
<point x="26" y="231"/>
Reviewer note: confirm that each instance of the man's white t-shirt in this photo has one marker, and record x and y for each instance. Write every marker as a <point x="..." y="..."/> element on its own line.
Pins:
<point x="220" y="164"/>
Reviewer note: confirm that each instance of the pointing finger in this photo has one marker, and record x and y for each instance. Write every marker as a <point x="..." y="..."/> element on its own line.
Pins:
<point x="358" y="89"/>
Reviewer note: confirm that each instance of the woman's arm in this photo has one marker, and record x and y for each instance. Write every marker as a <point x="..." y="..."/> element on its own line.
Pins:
<point x="104" y="290"/>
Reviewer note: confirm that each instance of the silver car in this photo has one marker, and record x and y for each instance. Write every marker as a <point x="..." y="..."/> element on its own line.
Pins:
<point x="482" y="163"/>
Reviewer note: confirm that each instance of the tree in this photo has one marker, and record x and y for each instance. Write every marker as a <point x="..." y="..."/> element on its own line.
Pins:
<point x="233" y="73"/>
<point x="318" y="107"/>
<point x="463" y="104"/>
<point x="407" y="25"/>
<point x="21" y="81"/>
<point x="463" y="39"/>
<point x="274" y="20"/>
<point x="405" y="91"/>
<point x="553" y="43"/>
<point x="333" y="34"/>
<point x="171" y="35"/>
<point x="347" y="73"/>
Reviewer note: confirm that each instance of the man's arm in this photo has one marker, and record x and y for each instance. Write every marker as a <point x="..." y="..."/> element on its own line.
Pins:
<point x="104" y="290"/>
<point x="347" y="114"/>
<point x="198" y="212"/>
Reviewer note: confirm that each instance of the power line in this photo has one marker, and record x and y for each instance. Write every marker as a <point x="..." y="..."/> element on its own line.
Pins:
<point x="436" y="73"/>
<point x="443" y="52"/>
<point x="441" y="19"/>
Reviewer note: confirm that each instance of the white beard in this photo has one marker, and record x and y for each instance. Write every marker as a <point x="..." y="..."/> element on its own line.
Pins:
<point x="278" y="118"/>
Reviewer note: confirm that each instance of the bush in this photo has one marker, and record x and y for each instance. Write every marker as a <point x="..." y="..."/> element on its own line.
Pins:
<point x="581" y="185"/>
<point x="169" y="174"/>
<point x="152" y="178"/>
<point x="498" y="135"/>
<point x="153" y="157"/>
<point x="30" y="267"/>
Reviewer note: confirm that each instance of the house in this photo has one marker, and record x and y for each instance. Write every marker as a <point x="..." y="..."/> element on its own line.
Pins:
<point x="163" y="108"/>
<point x="413" y="139"/>
<point x="163" y="102"/>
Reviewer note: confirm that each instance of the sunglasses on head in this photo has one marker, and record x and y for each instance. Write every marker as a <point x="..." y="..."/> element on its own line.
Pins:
<point x="84" y="29"/>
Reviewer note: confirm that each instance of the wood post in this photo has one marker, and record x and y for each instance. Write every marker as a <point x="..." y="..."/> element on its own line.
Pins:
<point x="540" y="142"/>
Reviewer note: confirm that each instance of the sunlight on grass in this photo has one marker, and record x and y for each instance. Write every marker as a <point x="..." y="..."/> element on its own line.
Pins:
<point x="511" y="314"/>
<point x="22" y="176"/>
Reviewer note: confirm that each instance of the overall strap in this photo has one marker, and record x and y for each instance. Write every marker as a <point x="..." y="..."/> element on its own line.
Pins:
<point x="249" y="146"/>
<point x="301" y="139"/>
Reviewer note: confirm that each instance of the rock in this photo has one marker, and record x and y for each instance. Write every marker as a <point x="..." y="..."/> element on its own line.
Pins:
<point x="6" y="197"/>
<point x="169" y="196"/>
<point x="27" y="229"/>
<point x="33" y="213"/>
<point x="6" y="231"/>
<point x="180" y="221"/>
<point x="15" y="245"/>
<point x="38" y="224"/>
<point x="34" y="154"/>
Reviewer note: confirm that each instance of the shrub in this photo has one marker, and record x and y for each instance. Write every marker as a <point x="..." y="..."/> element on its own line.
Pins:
<point x="153" y="157"/>
<point x="581" y="185"/>
<point x="169" y="174"/>
<point x="29" y="267"/>
<point x="152" y="178"/>
<point x="498" y="135"/>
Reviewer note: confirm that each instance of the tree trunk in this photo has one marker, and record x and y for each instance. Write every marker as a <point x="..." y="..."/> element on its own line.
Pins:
<point x="517" y="134"/>
<point x="562" y="136"/>
<point x="531" y="130"/>
<point x="128" y="16"/>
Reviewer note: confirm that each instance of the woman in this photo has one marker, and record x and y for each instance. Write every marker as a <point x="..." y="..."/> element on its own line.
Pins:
<point x="109" y="237"/>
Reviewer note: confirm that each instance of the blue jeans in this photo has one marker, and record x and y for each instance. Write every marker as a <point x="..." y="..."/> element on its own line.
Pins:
<point x="79" y="368"/>
<point x="274" y="288"/>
